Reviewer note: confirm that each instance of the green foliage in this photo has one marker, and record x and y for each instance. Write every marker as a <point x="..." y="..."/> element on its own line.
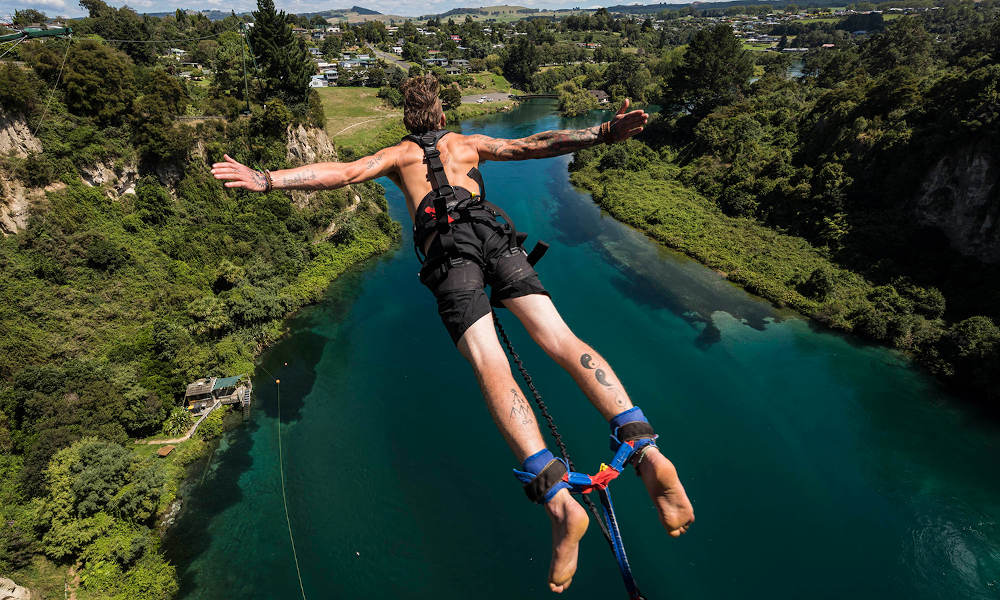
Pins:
<point x="716" y="70"/>
<point x="451" y="96"/>
<point x="285" y="68"/>
<point x="520" y="60"/>
<point x="99" y="82"/>
<point x="574" y="99"/>
<point x="20" y="89"/>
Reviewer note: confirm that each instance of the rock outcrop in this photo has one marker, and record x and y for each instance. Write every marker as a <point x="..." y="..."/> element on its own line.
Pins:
<point x="11" y="591"/>
<point x="16" y="138"/>
<point x="116" y="176"/>
<point x="961" y="196"/>
<point x="309" y="145"/>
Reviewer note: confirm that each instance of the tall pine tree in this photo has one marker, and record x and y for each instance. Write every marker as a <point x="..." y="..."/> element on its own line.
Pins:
<point x="285" y="68"/>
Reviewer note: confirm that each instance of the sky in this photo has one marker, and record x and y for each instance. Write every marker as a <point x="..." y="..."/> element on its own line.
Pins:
<point x="71" y="8"/>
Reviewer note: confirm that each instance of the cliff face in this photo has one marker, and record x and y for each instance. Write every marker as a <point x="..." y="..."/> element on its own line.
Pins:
<point x="11" y="591"/>
<point x="16" y="138"/>
<point x="961" y="196"/>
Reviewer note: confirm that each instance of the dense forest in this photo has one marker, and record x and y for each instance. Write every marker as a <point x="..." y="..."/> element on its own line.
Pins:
<point x="114" y="299"/>
<point x="863" y="193"/>
<point x="840" y="193"/>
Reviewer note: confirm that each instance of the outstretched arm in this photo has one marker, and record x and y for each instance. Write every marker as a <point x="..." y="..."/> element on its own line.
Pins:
<point x="553" y="143"/>
<point x="317" y="176"/>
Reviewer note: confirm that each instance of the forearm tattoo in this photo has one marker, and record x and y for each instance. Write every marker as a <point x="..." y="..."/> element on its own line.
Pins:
<point x="520" y="412"/>
<point x="545" y="144"/>
<point x="305" y="180"/>
<point x="601" y="376"/>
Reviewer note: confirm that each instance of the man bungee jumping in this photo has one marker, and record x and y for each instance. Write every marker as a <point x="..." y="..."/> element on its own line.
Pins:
<point x="465" y="247"/>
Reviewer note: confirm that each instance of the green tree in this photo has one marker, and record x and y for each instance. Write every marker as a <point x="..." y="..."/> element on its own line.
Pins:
<point x="281" y="56"/>
<point x="99" y="82"/>
<point x="28" y="16"/>
<point x="520" y="61"/>
<point x="716" y="70"/>
<point x="451" y="96"/>
<point x="574" y="99"/>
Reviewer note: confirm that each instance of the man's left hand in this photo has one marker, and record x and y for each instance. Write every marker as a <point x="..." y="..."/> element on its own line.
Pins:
<point x="626" y="124"/>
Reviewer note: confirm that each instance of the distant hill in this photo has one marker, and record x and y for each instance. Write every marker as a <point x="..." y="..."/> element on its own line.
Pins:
<point x="502" y="12"/>
<point x="643" y="9"/>
<point x="356" y="14"/>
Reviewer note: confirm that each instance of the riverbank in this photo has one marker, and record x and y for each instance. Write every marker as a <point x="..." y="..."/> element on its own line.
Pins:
<point x="641" y="188"/>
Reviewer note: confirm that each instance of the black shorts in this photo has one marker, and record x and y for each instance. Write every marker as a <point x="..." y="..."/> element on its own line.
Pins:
<point x="487" y="259"/>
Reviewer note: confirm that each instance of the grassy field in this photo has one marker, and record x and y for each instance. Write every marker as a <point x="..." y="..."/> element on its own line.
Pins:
<point x="489" y="82"/>
<point x="359" y="122"/>
<point x="358" y="119"/>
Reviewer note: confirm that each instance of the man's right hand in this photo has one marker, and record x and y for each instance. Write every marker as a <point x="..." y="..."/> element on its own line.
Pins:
<point x="238" y="175"/>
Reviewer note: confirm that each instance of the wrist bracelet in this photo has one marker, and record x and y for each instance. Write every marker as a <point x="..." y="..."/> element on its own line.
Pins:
<point x="268" y="180"/>
<point x="605" y="132"/>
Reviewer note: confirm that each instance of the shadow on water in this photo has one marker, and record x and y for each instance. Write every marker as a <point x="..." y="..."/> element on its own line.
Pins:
<point x="292" y="360"/>
<point x="187" y="538"/>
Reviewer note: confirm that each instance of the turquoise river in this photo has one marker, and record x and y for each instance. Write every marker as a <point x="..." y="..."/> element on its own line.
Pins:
<point x="819" y="467"/>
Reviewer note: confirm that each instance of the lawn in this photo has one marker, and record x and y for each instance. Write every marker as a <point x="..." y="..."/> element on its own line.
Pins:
<point x="346" y="108"/>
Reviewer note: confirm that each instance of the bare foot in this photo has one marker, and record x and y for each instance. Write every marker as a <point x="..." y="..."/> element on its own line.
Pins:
<point x="660" y="477"/>
<point x="569" y="523"/>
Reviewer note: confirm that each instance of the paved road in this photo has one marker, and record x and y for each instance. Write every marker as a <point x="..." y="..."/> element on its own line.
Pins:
<point x="490" y="97"/>
<point x="391" y="58"/>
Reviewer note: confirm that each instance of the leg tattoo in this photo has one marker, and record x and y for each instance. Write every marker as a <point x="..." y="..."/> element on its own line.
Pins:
<point x="519" y="409"/>
<point x="588" y="362"/>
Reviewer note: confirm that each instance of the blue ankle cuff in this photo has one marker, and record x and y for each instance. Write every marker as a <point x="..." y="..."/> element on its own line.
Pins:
<point x="631" y="415"/>
<point x="533" y="465"/>
<point x="537" y="461"/>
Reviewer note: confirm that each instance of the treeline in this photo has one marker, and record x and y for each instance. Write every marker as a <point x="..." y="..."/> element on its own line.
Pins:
<point x="836" y="158"/>
<point x="115" y="297"/>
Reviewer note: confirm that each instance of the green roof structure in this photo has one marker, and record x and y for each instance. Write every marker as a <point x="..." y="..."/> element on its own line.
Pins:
<point x="226" y="382"/>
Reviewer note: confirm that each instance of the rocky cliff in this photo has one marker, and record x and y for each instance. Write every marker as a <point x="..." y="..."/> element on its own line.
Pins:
<point x="961" y="196"/>
<point x="11" y="591"/>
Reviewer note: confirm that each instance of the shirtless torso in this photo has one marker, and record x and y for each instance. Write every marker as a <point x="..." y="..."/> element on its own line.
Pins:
<point x="467" y="313"/>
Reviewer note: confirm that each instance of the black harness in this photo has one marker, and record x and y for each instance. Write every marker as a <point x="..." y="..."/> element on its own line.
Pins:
<point x="446" y="204"/>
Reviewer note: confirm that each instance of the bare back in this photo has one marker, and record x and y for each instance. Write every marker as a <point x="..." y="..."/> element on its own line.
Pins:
<point x="459" y="154"/>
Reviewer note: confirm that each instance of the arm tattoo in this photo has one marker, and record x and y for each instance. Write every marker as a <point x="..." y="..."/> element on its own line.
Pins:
<point x="588" y="362"/>
<point x="374" y="162"/>
<point x="545" y="144"/>
<point x="519" y="409"/>
<point x="306" y="180"/>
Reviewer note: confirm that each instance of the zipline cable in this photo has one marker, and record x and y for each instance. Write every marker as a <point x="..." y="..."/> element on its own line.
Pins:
<point x="284" y="498"/>
<point x="53" y="90"/>
<point x="19" y="40"/>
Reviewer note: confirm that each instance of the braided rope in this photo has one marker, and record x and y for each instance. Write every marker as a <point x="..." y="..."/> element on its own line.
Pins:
<point x="551" y="423"/>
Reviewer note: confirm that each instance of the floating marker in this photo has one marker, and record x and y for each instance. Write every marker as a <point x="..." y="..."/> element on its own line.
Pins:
<point x="277" y="381"/>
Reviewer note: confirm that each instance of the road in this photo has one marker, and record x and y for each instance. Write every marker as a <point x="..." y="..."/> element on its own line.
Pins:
<point x="490" y="97"/>
<point x="391" y="58"/>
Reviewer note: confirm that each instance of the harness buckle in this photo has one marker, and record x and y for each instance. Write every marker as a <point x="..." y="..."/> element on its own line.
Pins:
<point x="455" y="261"/>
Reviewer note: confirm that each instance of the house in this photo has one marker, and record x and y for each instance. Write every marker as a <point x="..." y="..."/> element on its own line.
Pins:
<point x="318" y="36"/>
<point x="455" y="38"/>
<point x="178" y="53"/>
<point x="436" y="62"/>
<point x="205" y="392"/>
<point x="315" y="52"/>
<point x="318" y="81"/>
<point x="397" y="50"/>
<point x="452" y="71"/>
<point x="300" y="31"/>
<point x="335" y="30"/>
<point x="828" y="46"/>
<point x="198" y="395"/>
<point x="460" y="63"/>
<point x="600" y="95"/>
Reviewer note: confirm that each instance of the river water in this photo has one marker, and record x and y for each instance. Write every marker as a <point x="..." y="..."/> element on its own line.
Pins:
<point x="819" y="467"/>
